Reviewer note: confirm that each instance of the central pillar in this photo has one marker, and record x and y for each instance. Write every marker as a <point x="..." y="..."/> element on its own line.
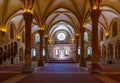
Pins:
<point x="95" y="13"/>
<point x="28" y="17"/>
<point x="77" y="44"/>
<point x="40" y="62"/>
<point x="82" y="60"/>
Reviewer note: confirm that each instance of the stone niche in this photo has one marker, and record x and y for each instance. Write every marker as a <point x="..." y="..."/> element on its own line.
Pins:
<point x="61" y="51"/>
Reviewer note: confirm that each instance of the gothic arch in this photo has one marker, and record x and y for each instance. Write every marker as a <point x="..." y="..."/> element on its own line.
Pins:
<point x="103" y="52"/>
<point x="15" y="48"/>
<point x="118" y="50"/>
<point x="21" y="54"/>
<point x="110" y="51"/>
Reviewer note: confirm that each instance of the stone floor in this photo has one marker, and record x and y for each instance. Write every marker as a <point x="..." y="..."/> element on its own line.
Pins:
<point x="60" y="73"/>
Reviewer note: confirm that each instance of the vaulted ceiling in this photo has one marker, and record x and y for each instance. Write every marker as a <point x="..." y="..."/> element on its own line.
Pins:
<point x="52" y="12"/>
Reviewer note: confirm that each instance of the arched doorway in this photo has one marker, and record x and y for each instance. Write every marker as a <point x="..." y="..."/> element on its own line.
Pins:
<point x="21" y="57"/>
<point x="1" y="55"/>
<point x="110" y="51"/>
<point x="103" y="52"/>
<point x="15" y="48"/>
<point x="118" y="50"/>
<point x="61" y="44"/>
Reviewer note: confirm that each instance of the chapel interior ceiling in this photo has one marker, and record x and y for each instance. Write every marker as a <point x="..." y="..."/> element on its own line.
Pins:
<point x="52" y="12"/>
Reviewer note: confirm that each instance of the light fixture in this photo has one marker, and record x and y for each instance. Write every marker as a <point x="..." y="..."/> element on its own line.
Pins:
<point x="3" y="30"/>
<point x="46" y="36"/>
<point x="18" y="37"/>
<point x="95" y="4"/>
<point x="77" y="34"/>
<point x="41" y="28"/>
<point x="84" y="25"/>
<point x="28" y="10"/>
<point x="50" y="40"/>
<point x="107" y="33"/>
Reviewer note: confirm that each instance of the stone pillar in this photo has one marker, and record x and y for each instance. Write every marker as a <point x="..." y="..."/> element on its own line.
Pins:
<point x="40" y="62"/>
<point x="95" y="13"/>
<point x="77" y="45"/>
<point x="82" y="60"/>
<point x="46" y="46"/>
<point x="28" y="17"/>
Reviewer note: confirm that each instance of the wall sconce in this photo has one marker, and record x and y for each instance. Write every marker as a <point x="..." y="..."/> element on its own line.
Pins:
<point x="18" y="37"/>
<point x="76" y="34"/>
<point x="107" y="35"/>
<point x="46" y="36"/>
<point x="84" y="25"/>
<point x="73" y="39"/>
<point x="41" y="28"/>
<point x="49" y="40"/>
<point x="3" y="31"/>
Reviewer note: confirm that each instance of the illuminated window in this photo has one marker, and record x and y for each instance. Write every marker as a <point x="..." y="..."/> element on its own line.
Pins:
<point x="33" y="52"/>
<point x="89" y="50"/>
<point x="43" y="51"/>
<point x="66" y="51"/>
<point x="79" y="51"/>
<point x="56" y="52"/>
<point x="37" y="38"/>
<point x="86" y="36"/>
<point x="61" y="36"/>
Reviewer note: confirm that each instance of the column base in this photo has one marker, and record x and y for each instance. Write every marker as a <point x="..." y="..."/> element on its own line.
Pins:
<point x="40" y="63"/>
<point x="27" y="69"/>
<point x="95" y="68"/>
<point x="77" y="60"/>
<point x="46" y="59"/>
<point x="83" y="64"/>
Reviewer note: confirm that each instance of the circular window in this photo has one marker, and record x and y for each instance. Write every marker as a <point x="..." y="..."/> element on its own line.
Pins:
<point x="61" y="36"/>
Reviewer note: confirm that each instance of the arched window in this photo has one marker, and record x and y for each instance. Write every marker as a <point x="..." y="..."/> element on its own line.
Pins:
<point x="33" y="52"/>
<point x="89" y="50"/>
<point x="101" y="36"/>
<point x="86" y="36"/>
<point x="43" y="51"/>
<point x="79" y="51"/>
<point x="37" y="38"/>
<point x="114" y="29"/>
<point x="66" y="52"/>
<point x="56" y="52"/>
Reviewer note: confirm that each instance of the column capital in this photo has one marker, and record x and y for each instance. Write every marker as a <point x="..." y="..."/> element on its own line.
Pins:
<point x="28" y="17"/>
<point x="95" y="14"/>
<point x="82" y="30"/>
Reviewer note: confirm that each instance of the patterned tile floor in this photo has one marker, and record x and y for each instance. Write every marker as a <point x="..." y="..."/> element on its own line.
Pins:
<point x="61" y="73"/>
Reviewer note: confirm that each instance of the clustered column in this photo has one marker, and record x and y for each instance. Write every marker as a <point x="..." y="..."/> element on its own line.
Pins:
<point x="77" y="44"/>
<point x="82" y="60"/>
<point x="28" y="17"/>
<point x="95" y="13"/>
<point x="40" y="62"/>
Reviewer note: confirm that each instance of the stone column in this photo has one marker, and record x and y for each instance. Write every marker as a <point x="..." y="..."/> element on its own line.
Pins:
<point x="77" y="45"/>
<point x="46" y="46"/>
<point x="95" y="13"/>
<point x="40" y="62"/>
<point x="82" y="60"/>
<point x="28" y="17"/>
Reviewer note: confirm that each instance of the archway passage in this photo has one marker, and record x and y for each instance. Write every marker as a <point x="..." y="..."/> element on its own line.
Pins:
<point x="61" y="46"/>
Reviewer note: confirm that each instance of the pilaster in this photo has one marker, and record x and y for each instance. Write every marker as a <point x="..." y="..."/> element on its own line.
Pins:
<point x="40" y="62"/>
